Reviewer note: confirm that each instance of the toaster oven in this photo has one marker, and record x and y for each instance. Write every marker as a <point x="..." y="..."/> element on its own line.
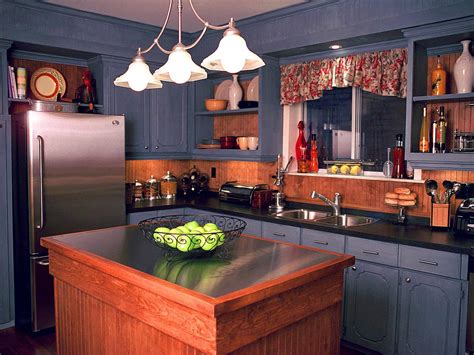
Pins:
<point x="233" y="191"/>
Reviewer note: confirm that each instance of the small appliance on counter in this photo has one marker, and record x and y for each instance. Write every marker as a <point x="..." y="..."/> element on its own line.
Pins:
<point x="464" y="219"/>
<point x="233" y="191"/>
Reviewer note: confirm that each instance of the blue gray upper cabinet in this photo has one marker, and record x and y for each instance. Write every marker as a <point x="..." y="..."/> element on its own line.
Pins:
<point x="429" y="314"/>
<point x="168" y="122"/>
<point x="371" y="306"/>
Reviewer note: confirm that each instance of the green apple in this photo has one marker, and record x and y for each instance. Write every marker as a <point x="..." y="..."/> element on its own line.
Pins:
<point x="183" y="229"/>
<point x="191" y="225"/>
<point x="171" y="238"/>
<point x="210" y="243"/>
<point x="197" y="238"/>
<point x="220" y="238"/>
<point x="184" y="243"/>
<point x="199" y="230"/>
<point x="210" y="226"/>
<point x="158" y="235"/>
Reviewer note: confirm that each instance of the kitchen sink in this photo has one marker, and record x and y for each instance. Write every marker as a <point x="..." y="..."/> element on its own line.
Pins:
<point x="302" y="215"/>
<point x="346" y="220"/>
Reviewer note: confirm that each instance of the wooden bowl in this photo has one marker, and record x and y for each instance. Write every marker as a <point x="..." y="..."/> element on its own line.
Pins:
<point x="215" y="104"/>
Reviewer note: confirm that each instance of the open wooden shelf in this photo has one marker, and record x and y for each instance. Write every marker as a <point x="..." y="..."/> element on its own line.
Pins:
<point x="228" y="112"/>
<point x="445" y="98"/>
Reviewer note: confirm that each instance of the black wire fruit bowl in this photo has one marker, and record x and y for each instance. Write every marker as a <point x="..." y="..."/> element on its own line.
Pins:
<point x="191" y="235"/>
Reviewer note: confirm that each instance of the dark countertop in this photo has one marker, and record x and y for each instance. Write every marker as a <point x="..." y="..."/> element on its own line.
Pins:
<point x="246" y="262"/>
<point x="383" y="230"/>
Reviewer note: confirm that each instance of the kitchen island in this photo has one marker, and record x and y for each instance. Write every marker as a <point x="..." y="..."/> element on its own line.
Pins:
<point x="117" y="293"/>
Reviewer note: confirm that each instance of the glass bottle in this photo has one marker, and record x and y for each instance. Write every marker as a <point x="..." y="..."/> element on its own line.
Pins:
<point x="441" y="131"/>
<point x="434" y="136"/>
<point x="313" y="166"/>
<point x="425" y="133"/>
<point x="301" y="150"/>
<point x="438" y="80"/>
<point x="398" y="155"/>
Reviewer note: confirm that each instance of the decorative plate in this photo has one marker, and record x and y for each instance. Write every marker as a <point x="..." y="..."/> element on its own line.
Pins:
<point x="46" y="83"/>
<point x="222" y="91"/>
<point x="252" y="90"/>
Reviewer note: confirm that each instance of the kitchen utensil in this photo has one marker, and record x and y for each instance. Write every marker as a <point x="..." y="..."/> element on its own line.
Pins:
<point x="215" y="104"/>
<point x="432" y="190"/>
<point x="252" y="90"/>
<point x="189" y="245"/>
<point x="253" y="143"/>
<point x="456" y="187"/>
<point x="448" y="185"/>
<point x="388" y="165"/>
<point x="46" y="83"/>
<point x="243" y="143"/>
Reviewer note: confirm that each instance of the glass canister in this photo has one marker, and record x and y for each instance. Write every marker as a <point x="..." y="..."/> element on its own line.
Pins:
<point x="169" y="185"/>
<point x="152" y="190"/>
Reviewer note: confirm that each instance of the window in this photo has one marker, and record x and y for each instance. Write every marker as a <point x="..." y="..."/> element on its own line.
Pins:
<point x="355" y="124"/>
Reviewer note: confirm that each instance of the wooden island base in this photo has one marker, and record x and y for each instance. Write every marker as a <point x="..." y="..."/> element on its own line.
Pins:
<point x="103" y="307"/>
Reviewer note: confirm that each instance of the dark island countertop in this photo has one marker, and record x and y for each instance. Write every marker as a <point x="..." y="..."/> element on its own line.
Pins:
<point x="243" y="263"/>
<point x="383" y="230"/>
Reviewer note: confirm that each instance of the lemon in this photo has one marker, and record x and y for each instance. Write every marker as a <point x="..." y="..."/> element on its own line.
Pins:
<point x="345" y="169"/>
<point x="333" y="169"/>
<point x="356" y="170"/>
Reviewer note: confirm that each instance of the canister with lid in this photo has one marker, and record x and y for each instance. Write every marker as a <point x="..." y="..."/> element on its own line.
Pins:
<point x="169" y="185"/>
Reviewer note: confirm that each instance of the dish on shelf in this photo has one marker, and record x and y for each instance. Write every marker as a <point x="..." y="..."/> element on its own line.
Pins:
<point x="252" y="90"/>
<point x="222" y="90"/>
<point x="248" y="104"/>
<point x="228" y="142"/>
<point x="208" y="146"/>
<point x="46" y="83"/>
<point x="215" y="104"/>
<point x="211" y="141"/>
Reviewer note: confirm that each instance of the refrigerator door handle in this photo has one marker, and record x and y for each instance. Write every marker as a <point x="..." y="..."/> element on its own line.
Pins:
<point x="41" y="186"/>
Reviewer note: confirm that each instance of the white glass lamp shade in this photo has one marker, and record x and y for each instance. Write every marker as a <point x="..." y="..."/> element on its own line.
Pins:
<point x="232" y="56"/>
<point x="180" y="68"/>
<point x="138" y="77"/>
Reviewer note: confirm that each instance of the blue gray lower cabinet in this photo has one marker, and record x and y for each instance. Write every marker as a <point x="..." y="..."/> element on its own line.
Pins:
<point x="322" y="240"/>
<point x="254" y="227"/>
<point x="430" y="308"/>
<point x="371" y="306"/>
<point x="6" y="260"/>
<point x="281" y="232"/>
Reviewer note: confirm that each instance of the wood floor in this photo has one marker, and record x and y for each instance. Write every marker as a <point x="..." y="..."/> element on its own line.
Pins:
<point x="18" y="342"/>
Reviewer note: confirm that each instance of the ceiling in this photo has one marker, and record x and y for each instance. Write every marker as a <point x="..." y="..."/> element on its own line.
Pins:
<point x="153" y="12"/>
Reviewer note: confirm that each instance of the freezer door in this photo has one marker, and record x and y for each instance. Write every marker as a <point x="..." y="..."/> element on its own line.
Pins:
<point x="42" y="294"/>
<point x="76" y="168"/>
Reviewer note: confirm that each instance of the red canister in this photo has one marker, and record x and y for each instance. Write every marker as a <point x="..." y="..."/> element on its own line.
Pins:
<point x="228" y="142"/>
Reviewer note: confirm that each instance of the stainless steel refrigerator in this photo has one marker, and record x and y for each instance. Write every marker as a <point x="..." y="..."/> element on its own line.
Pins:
<point x="69" y="177"/>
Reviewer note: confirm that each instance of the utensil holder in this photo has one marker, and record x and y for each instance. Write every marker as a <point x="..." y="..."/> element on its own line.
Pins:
<point x="440" y="215"/>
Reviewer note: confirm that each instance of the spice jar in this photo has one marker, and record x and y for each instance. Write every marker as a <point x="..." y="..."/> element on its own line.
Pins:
<point x="137" y="190"/>
<point x="169" y="185"/>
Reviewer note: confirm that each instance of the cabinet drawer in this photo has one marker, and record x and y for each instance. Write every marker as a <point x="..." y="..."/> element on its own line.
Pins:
<point x="281" y="232"/>
<point x="134" y="218"/>
<point x="372" y="250"/>
<point x="432" y="261"/>
<point x="322" y="240"/>
<point x="170" y="212"/>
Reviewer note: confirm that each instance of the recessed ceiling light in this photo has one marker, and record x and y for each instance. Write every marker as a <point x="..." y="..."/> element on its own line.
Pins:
<point x="335" y="46"/>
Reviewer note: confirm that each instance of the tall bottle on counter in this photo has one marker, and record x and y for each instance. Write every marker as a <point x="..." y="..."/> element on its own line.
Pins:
<point x="314" y="166"/>
<point x="398" y="153"/>
<point x="301" y="150"/>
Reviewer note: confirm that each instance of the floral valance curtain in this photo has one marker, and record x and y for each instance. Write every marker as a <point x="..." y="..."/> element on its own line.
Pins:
<point x="382" y="72"/>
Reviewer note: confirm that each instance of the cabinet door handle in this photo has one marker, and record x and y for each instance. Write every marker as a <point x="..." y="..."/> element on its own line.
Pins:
<point x="370" y="252"/>
<point x="320" y="242"/>
<point x="427" y="262"/>
<point x="354" y="268"/>
<point x="43" y="263"/>
<point x="146" y="147"/>
<point x="156" y="147"/>
<point x="41" y="174"/>
<point x="407" y="280"/>
<point x="279" y="235"/>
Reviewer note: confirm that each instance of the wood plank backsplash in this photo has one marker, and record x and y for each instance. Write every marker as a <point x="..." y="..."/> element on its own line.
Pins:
<point x="358" y="194"/>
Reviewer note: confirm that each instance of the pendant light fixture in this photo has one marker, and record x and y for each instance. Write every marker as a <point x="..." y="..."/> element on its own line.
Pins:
<point x="232" y="55"/>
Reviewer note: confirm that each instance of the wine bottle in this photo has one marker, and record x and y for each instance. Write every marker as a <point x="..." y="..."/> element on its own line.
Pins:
<point x="301" y="150"/>
<point x="434" y="136"/>
<point x="399" y="171"/>
<point x="425" y="133"/>
<point x="438" y="80"/>
<point x="313" y="166"/>
<point x="441" y="131"/>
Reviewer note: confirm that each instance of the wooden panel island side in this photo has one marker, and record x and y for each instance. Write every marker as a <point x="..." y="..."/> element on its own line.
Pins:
<point x="116" y="293"/>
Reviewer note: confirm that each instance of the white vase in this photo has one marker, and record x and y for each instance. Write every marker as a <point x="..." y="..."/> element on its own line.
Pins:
<point x="235" y="93"/>
<point x="463" y="70"/>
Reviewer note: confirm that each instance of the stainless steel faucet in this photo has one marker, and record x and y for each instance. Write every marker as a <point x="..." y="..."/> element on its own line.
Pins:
<point x="336" y="204"/>
<point x="279" y="198"/>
